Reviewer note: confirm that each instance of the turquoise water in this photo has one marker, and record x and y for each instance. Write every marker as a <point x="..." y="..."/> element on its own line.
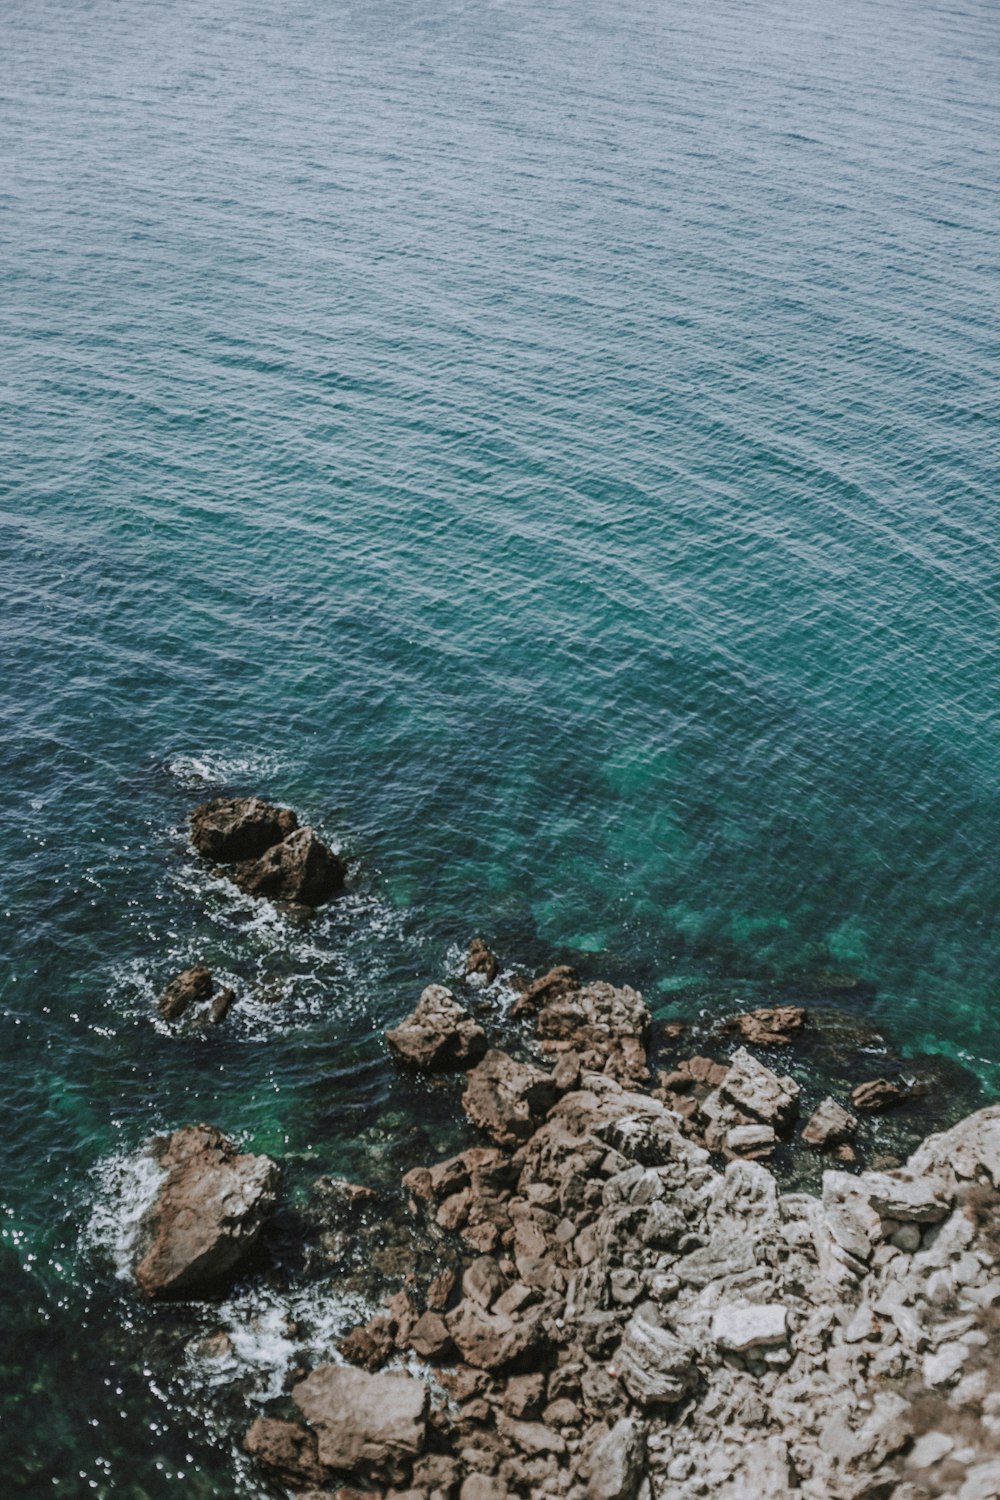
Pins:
<point x="555" y="449"/>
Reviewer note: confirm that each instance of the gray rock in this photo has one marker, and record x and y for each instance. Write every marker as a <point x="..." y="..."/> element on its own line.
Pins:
<point x="758" y="1092"/>
<point x="617" y="1462"/>
<point x="739" y="1328"/>
<point x="655" y="1366"/>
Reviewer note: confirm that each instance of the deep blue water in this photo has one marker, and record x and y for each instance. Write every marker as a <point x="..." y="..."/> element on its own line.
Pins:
<point x="553" y="447"/>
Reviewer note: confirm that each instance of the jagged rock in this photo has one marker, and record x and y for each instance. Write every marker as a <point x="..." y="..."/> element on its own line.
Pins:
<point x="829" y="1125"/>
<point x="372" y="1424"/>
<point x="301" y="869"/>
<point x="228" y="830"/>
<point x="758" y="1092"/>
<point x="439" y="1035"/>
<point x="750" y="1327"/>
<point x="607" y="1027"/>
<point x="557" y="981"/>
<point x="484" y="1281"/>
<point x="617" y="1462"/>
<point x="187" y="989"/>
<point x="770" y="1028"/>
<point x="429" y="1337"/>
<point x="876" y="1096"/>
<point x="480" y="960"/>
<point x="208" y="1214"/>
<point x="751" y="1140"/>
<point x="507" y="1099"/>
<point x="221" y="1005"/>
<point x="493" y="1340"/>
<point x="287" y="1449"/>
<point x="656" y="1367"/>
<point x="370" y="1345"/>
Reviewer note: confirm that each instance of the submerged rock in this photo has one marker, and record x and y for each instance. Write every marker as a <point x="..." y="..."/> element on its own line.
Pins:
<point x="439" y="1035"/>
<point x="770" y="1027"/>
<point x="209" y="1213"/>
<point x="878" y="1095"/>
<point x="227" y="830"/>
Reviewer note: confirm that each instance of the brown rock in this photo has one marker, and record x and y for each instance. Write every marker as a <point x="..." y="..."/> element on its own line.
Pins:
<point x="705" y="1070"/>
<point x="483" y="1487"/>
<point x="770" y="1028"/>
<point x="608" y="1027"/>
<point x="480" y="960"/>
<point x="440" y="1290"/>
<point x="288" y="1449"/>
<point x="374" y="1424"/>
<point x="189" y="987"/>
<point x="229" y="829"/>
<point x="371" y="1344"/>
<point x="210" y="1211"/>
<point x="524" y="1395"/>
<point x="877" y="1095"/>
<point x="439" y="1035"/>
<point x="429" y="1337"/>
<point x="829" y="1125"/>
<point x="507" y="1099"/>
<point x="531" y="1437"/>
<point x="557" y="981"/>
<point x="492" y="1341"/>
<point x="300" y="869"/>
<point x="483" y="1281"/>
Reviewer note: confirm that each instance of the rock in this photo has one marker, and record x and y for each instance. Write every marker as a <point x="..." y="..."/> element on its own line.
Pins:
<point x="911" y="1200"/>
<point x="429" y="1337"/>
<point x="288" y="1449"/>
<point x="930" y="1449"/>
<point x="507" y="1099"/>
<point x="371" y="1345"/>
<point x="188" y="988"/>
<point x="480" y="960"/>
<point x="209" y="1213"/>
<point x="301" y="869"/>
<point x="483" y="1487"/>
<point x="531" y="1437"/>
<point x="751" y="1140"/>
<point x="439" y="1035"/>
<point x="607" y="1027"/>
<point x="876" y="1096"/>
<point x="770" y="1028"/>
<point x="493" y="1341"/>
<point x="373" y="1424"/>
<point x="617" y="1462"/>
<point x="758" y="1092"/>
<point x="752" y="1327"/>
<point x="221" y="1005"/>
<point x="524" y="1395"/>
<point x="945" y="1364"/>
<point x="557" y="981"/>
<point x="484" y="1281"/>
<point x="982" y="1482"/>
<point x="656" y="1367"/>
<point x="228" y="830"/>
<point x="829" y="1125"/>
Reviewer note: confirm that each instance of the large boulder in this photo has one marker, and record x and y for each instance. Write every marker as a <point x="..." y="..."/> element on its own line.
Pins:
<point x="209" y="1213"/>
<point x="757" y="1092"/>
<point x="301" y="869"/>
<point x="365" y="1424"/>
<point x="227" y="830"/>
<point x="507" y="1099"/>
<point x="439" y="1035"/>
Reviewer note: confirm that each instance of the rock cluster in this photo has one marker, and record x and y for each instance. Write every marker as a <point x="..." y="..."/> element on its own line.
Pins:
<point x="266" y="852"/>
<point x="194" y="987"/>
<point x="617" y="1316"/>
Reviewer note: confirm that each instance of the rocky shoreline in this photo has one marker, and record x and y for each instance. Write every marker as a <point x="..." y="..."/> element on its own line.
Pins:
<point x="607" y="1294"/>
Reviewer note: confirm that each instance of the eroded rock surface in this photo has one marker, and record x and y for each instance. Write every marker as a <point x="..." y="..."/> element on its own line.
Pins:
<point x="228" y="830"/>
<point x="266" y="852"/>
<point x="439" y="1035"/>
<point x="208" y="1214"/>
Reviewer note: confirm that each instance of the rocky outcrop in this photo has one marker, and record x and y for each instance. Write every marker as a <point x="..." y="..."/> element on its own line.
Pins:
<point x="266" y="852"/>
<point x="507" y="1099"/>
<point x="188" y="988"/>
<point x="607" y="1028"/>
<point x="300" y="870"/>
<point x="210" y="1211"/>
<point x="229" y="830"/>
<point x="440" y="1035"/>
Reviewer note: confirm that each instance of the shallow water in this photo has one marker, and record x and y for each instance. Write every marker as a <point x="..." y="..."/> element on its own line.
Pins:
<point x="555" y="449"/>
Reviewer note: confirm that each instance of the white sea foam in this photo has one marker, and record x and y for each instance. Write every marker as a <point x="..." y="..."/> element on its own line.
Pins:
<point x="127" y="1185"/>
<point x="208" y="768"/>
